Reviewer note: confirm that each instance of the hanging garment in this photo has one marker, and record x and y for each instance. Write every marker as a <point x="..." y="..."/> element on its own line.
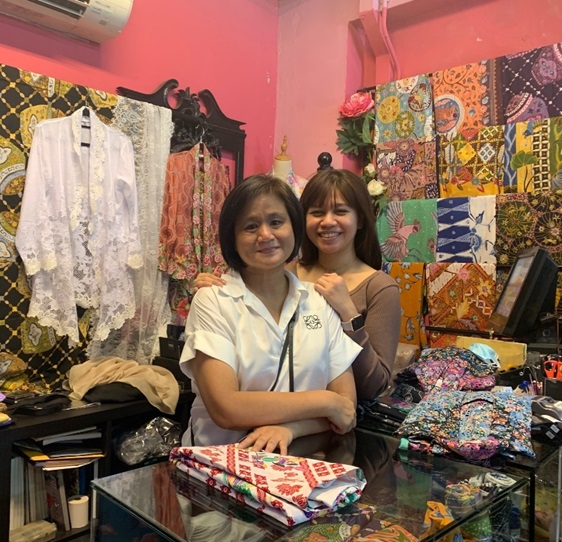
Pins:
<point x="150" y="128"/>
<point x="78" y="232"/>
<point x="290" y="489"/>
<point x="196" y="187"/>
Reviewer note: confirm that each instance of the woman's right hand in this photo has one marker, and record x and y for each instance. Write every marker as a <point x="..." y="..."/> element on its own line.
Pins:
<point x="343" y="419"/>
<point x="207" y="279"/>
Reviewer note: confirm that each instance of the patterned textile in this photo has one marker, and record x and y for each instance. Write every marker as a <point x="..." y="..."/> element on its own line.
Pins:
<point x="394" y="533"/>
<point x="345" y="526"/>
<point x="408" y="231"/>
<point x="466" y="97"/>
<point x="528" y="147"/>
<point x="444" y="369"/>
<point x="404" y="110"/>
<point x="437" y="517"/>
<point x="408" y="168"/>
<point x="528" y="220"/>
<point x="471" y="162"/>
<point x="460" y="295"/>
<point x="290" y="489"/>
<point x="531" y="84"/>
<point x="474" y="425"/>
<point x="411" y="282"/>
<point x="189" y="244"/>
<point x="452" y="368"/>
<point x="466" y="229"/>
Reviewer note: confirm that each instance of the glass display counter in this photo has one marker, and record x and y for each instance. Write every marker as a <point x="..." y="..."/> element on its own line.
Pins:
<point x="159" y="502"/>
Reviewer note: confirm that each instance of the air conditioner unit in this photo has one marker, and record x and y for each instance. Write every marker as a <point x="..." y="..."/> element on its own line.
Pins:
<point x="91" y="20"/>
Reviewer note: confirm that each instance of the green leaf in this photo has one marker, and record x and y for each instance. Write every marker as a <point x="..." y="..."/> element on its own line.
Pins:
<point x="366" y="133"/>
<point x="522" y="159"/>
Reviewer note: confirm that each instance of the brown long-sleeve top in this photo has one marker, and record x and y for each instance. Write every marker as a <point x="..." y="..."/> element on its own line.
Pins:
<point x="378" y="299"/>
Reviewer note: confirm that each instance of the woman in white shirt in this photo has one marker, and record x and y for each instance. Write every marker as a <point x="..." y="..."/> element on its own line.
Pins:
<point x="266" y="353"/>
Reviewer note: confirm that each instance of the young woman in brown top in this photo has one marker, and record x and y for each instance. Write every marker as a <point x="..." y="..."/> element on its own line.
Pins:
<point x="341" y="255"/>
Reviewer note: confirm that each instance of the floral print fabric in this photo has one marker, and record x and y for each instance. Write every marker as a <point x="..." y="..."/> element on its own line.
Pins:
<point x="408" y="169"/>
<point x="290" y="489"/>
<point x="474" y="425"/>
<point x="466" y="97"/>
<point x="529" y="220"/>
<point x="404" y="109"/>
<point x="460" y="295"/>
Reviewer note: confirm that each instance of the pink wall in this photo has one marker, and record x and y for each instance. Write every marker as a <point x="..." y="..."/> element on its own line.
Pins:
<point x="321" y="47"/>
<point x="227" y="46"/>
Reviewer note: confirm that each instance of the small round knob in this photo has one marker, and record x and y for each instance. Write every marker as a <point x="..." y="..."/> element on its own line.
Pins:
<point x="324" y="161"/>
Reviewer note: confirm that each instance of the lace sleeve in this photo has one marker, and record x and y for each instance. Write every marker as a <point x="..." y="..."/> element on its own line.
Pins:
<point x="35" y="239"/>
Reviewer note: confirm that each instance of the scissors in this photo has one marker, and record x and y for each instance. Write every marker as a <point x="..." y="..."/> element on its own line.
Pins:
<point x="553" y="367"/>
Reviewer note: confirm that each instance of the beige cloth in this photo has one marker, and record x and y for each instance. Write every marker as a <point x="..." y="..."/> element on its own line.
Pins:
<point x="157" y="384"/>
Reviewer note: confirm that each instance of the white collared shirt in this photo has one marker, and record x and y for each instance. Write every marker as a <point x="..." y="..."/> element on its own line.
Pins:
<point x="231" y="324"/>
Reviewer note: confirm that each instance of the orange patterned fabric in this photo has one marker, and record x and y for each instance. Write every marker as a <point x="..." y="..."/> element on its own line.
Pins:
<point x="195" y="190"/>
<point x="410" y="279"/>
<point x="466" y="97"/>
<point x="460" y="296"/>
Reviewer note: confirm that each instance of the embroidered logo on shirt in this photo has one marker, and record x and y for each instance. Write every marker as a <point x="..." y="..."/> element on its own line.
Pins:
<point x="312" y="322"/>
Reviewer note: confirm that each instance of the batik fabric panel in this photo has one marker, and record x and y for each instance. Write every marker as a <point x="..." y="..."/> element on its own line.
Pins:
<point x="528" y="164"/>
<point x="404" y="110"/>
<point x="470" y="162"/>
<point x="411" y="283"/>
<point x="466" y="97"/>
<point x="290" y="489"/>
<point x="408" y="231"/>
<point x="408" y="169"/>
<point x="466" y="229"/>
<point x="531" y="84"/>
<point x="460" y="295"/>
<point x="528" y="220"/>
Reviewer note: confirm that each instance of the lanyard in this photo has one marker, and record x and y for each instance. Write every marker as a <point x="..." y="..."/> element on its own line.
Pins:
<point x="287" y="345"/>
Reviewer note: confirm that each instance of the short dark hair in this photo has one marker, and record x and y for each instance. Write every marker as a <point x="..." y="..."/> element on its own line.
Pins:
<point x="235" y="203"/>
<point x="322" y="186"/>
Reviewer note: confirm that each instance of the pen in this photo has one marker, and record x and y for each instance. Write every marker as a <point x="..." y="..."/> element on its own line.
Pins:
<point x="87" y="405"/>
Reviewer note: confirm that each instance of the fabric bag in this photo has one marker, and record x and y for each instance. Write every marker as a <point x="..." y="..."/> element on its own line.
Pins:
<point x="290" y="489"/>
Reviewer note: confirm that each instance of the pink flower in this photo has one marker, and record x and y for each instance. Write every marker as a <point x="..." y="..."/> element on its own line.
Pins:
<point x="357" y="104"/>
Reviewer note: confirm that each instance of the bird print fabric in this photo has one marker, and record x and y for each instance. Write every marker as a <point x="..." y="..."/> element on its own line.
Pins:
<point x="408" y="231"/>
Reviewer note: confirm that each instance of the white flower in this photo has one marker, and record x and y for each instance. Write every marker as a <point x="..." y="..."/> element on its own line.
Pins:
<point x="376" y="188"/>
<point x="370" y="170"/>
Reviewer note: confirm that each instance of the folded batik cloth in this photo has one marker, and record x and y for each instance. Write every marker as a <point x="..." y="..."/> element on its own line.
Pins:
<point x="289" y="489"/>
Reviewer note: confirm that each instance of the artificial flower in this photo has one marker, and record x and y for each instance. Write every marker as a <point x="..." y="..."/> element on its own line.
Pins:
<point x="376" y="188"/>
<point x="357" y="104"/>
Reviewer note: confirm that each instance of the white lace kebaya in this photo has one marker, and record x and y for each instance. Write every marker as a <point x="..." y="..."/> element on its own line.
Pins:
<point x="78" y="233"/>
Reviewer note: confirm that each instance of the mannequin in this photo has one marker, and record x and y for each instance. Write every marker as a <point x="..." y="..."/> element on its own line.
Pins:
<point x="283" y="168"/>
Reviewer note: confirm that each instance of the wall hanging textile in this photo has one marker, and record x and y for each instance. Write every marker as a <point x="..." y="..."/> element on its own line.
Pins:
<point x="290" y="489"/>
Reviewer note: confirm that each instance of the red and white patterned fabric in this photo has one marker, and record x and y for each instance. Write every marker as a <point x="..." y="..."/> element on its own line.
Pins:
<point x="290" y="489"/>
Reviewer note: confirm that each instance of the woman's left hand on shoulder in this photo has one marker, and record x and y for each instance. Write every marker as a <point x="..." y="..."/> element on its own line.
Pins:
<point x="333" y="289"/>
